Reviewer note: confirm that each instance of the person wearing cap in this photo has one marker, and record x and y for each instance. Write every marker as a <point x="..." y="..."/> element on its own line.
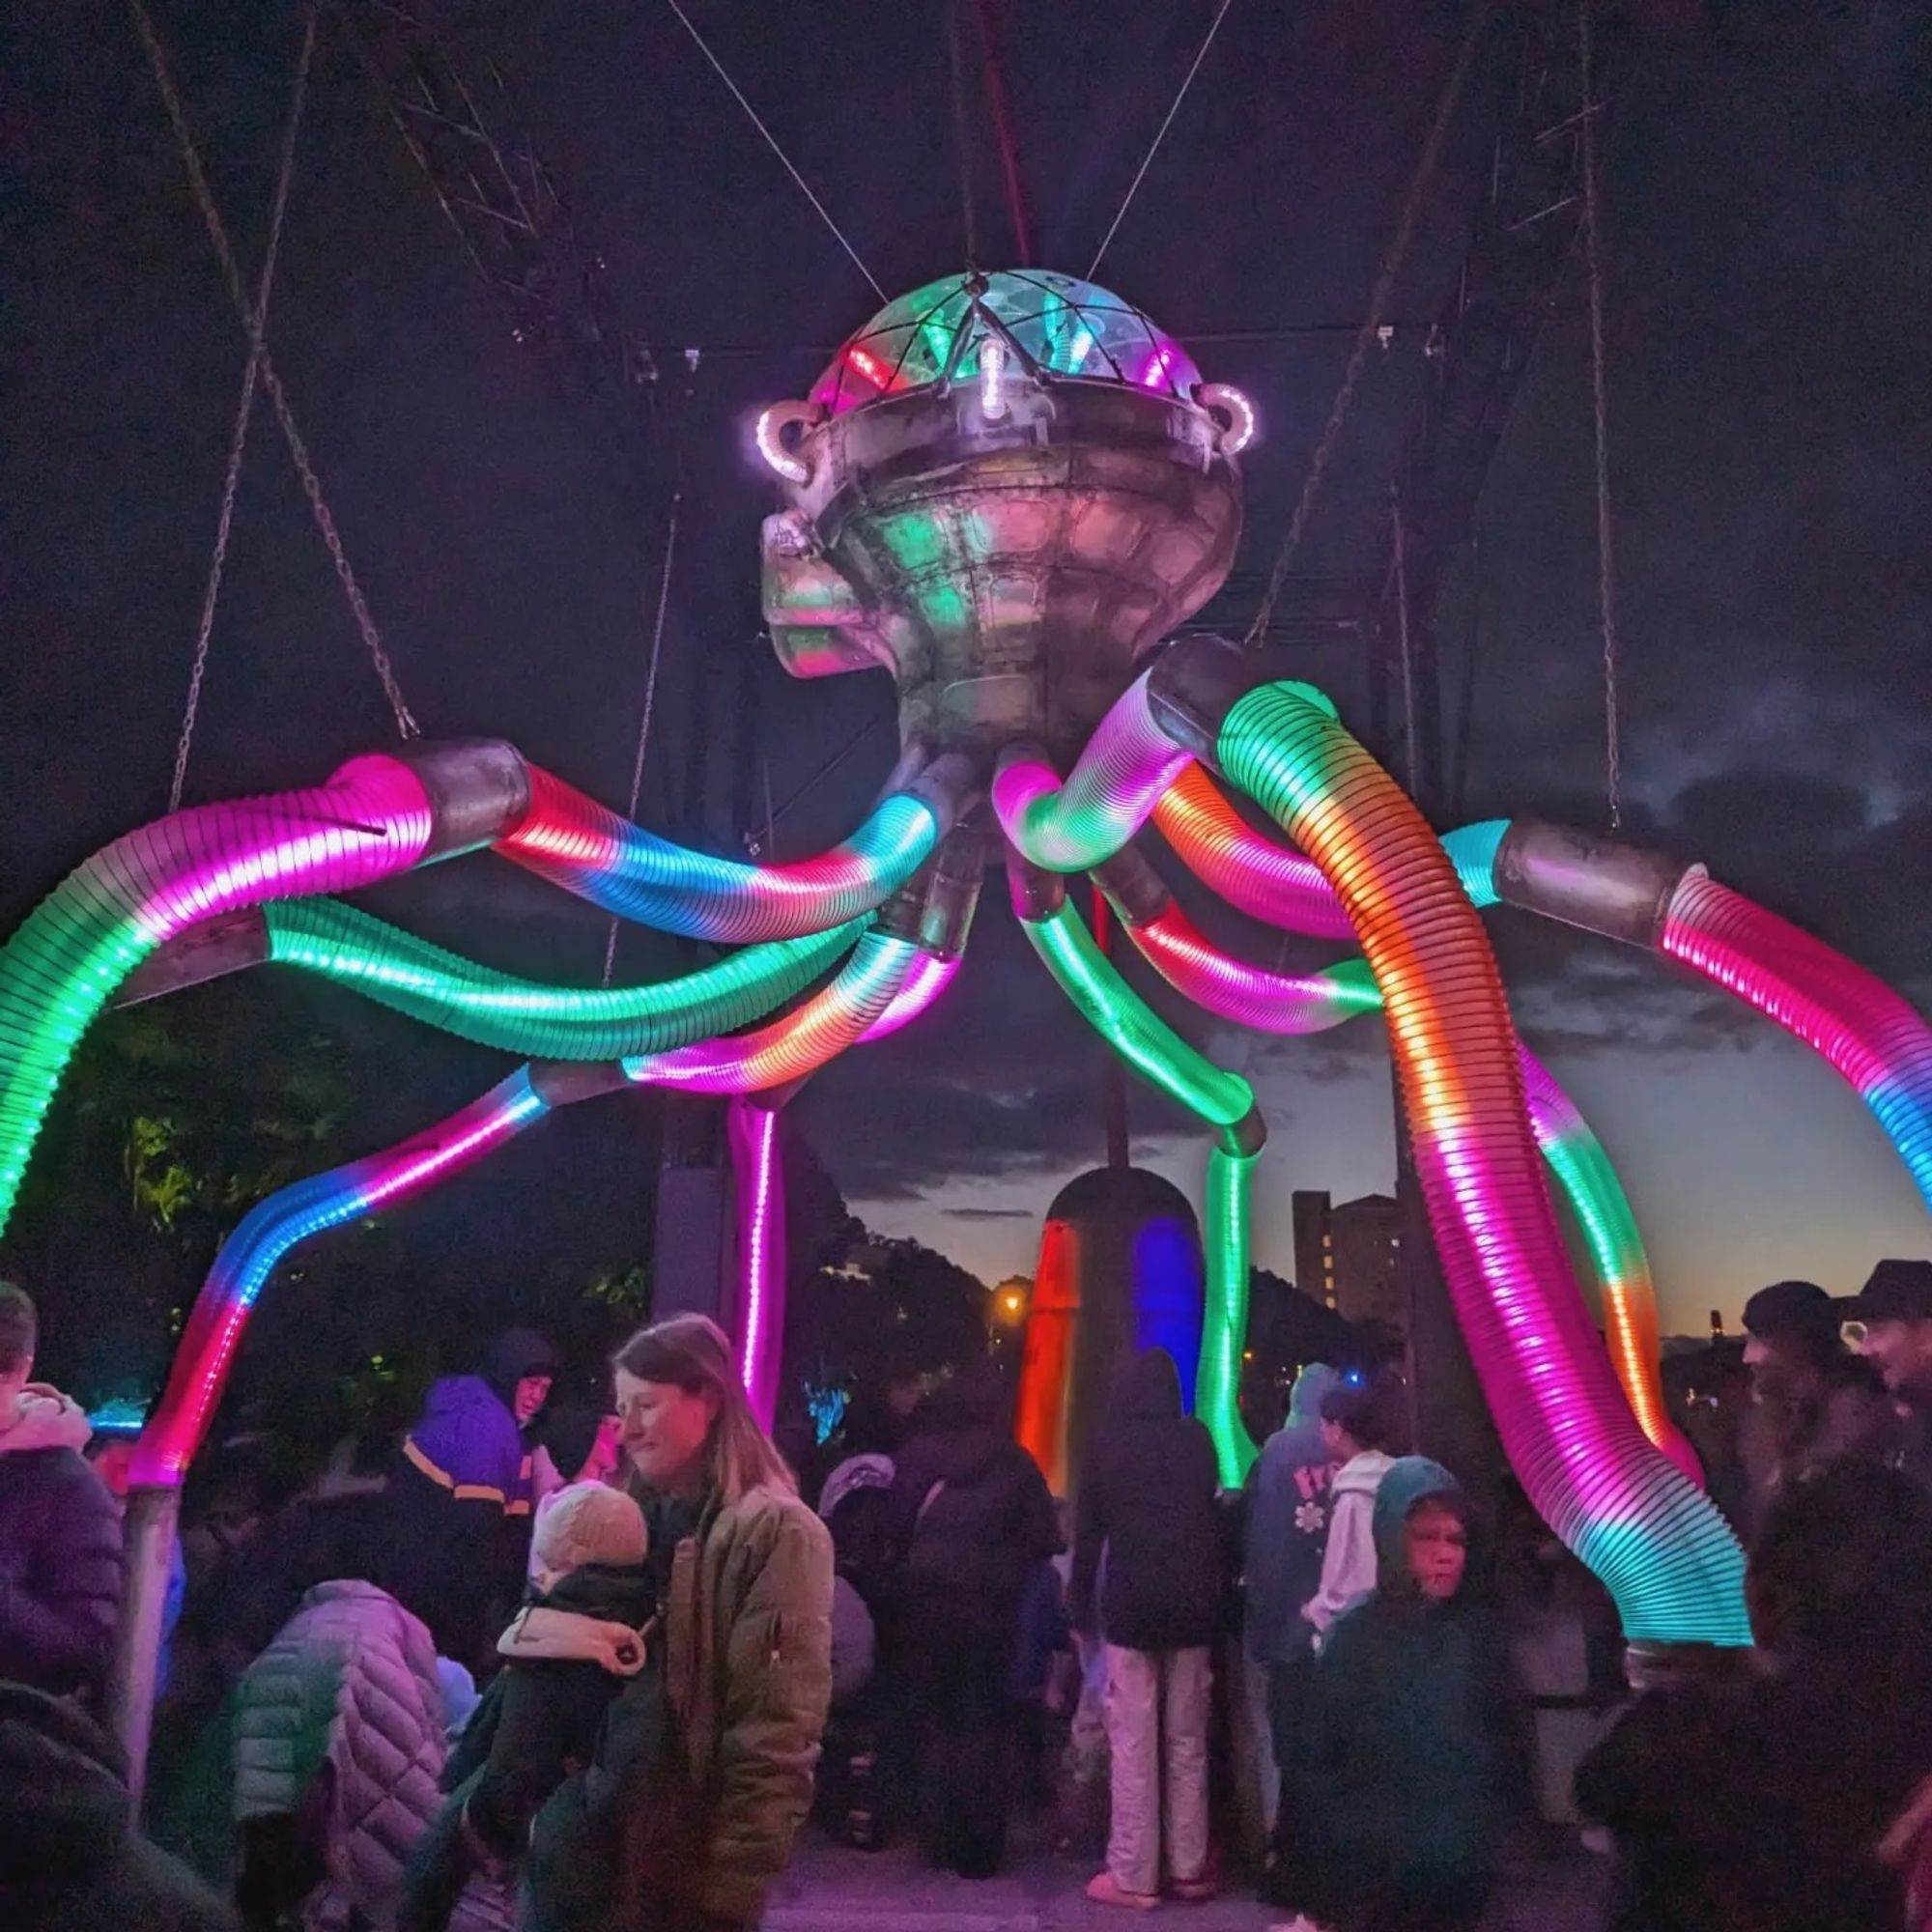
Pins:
<point x="1896" y="1308"/>
<point x="1814" y="1401"/>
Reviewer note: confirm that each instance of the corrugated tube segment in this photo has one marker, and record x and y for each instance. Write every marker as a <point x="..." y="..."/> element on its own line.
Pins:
<point x="1626" y="1511"/>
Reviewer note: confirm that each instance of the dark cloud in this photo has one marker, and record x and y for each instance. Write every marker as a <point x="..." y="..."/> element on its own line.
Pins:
<point x="989" y="1213"/>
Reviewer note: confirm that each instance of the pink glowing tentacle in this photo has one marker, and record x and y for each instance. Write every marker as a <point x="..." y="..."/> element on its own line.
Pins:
<point x="928" y="978"/>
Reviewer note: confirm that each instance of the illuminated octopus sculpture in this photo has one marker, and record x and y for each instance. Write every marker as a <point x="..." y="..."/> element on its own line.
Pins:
<point x="1008" y="491"/>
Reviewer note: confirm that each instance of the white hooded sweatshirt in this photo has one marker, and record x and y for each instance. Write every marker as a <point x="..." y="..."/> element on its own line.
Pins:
<point x="1348" y="1561"/>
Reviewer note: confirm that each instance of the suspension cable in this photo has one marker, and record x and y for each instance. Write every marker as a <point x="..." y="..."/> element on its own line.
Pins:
<point x="1378" y="300"/>
<point x="1160" y="134"/>
<point x="244" y="410"/>
<point x="771" y="141"/>
<point x="969" y="214"/>
<point x="649" y="705"/>
<point x="324" y="521"/>
<point x="1606" y="567"/>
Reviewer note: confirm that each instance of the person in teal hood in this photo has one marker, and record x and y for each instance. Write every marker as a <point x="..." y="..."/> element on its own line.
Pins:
<point x="1403" y="1762"/>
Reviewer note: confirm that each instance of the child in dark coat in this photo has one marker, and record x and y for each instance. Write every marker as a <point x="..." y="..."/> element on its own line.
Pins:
<point x="1402" y="1765"/>
<point x="580" y="1639"/>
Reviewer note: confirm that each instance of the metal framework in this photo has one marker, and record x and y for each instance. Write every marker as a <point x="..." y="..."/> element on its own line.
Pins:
<point x="1477" y="354"/>
<point x="459" y="122"/>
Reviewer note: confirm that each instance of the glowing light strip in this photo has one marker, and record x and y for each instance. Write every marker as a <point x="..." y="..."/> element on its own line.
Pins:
<point x="787" y="1049"/>
<point x="66" y="961"/>
<point x="574" y="842"/>
<point x="759" y="1186"/>
<point x="1113" y="789"/>
<point x="1657" y="1543"/>
<point x="1131" y="1027"/>
<point x="1874" y="1038"/>
<point x="778" y="458"/>
<point x="291" y="1216"/>
<point x="443" y="989"/>
<point x="992" y="378"/>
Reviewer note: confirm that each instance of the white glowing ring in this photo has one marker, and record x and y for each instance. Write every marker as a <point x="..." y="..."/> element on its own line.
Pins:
<point x="770" y="433"/>
<point x="1231" y="412"/>
<point x="992" y="378"/>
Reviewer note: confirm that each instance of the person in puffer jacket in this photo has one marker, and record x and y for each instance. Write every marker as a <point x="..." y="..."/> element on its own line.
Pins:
<point x="60" y="1533"/>
<point x="338" y="1738"/>
<point x="71" y="1860"/>
<point x="582" y="1636"/>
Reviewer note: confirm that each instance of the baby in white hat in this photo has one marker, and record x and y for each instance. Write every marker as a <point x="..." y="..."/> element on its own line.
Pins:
<point x="592" y="1611"/>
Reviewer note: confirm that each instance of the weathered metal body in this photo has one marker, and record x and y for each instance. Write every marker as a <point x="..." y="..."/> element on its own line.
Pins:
<point x="1007" y="548"/>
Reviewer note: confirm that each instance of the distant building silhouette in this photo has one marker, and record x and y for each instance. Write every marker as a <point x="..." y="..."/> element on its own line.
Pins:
<point x="1348" y="1256"/>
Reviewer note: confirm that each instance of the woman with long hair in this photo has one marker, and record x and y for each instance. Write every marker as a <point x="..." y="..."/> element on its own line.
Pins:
<point x="743" y="1571"/>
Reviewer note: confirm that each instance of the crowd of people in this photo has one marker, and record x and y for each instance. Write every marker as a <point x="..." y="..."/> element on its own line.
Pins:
<point x="590" y="1673"/>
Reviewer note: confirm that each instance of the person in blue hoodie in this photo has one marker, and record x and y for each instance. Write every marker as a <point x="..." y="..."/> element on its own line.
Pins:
<point x="1287" y="1533"/>
<point x="459" y="1496"/>
<point x="1402" y="1761"/>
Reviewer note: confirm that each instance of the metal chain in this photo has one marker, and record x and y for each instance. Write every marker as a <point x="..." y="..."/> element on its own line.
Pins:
<point x="325" y="520"/>
<point x="1606" y="568"/>
<point x="656" y="657"/>
<point x="244" y="412"/>
<point x="1372" y="323"/>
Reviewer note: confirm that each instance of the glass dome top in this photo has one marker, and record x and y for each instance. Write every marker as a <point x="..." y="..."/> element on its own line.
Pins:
<point x="1067" y="327"/>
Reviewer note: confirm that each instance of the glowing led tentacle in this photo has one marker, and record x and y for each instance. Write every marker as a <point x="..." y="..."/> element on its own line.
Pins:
<point x="752" y="1134"/>
<point x="799" y="1042"/>
<point x="273" y="1226"/>
<point x="928" y="978"/>
<point x="1294" y="1004"/>
<point x="1575" y="1156"/>
<point x="442" y="988"/>
<point x="1223" y="1099"/>
<point x="1129" y="763"/>
<point x="1268" y="881"/>
<point x="1875" y="1038"/>
<point x="1132" y="1027"/>
<point x="60" y="967"/>
<point x="1657" y="1543"/>
<point x="574" y="842"/>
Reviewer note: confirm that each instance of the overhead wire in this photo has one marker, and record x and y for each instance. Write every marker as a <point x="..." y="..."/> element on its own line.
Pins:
<point x="1606" y="568"/>
<point x="407" y="727"/>
<point x="1160" y="134"/>
<point x="1372" y="323"/>
<point x="771" y="141"/>
<point x="244" y="410"/>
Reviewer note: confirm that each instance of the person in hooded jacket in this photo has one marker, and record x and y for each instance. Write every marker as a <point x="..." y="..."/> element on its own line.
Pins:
<point x="976" y="1519"/>
<point x="71" y="1860"/>
<point x="1400" y="1768"/>
<point x="60" y="1532"/>
<point x="460" y="1500"/>
<point x="1287" y="1536"/>
<point x="1763" y="1800"/>
<point x="1147" y="1498"/>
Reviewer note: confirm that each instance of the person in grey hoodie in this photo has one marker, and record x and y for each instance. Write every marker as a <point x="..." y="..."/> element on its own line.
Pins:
<point x="1358" y="1428"/>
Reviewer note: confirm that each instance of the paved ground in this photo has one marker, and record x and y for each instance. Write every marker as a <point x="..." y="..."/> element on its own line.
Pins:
<point x="831" y="1890"/>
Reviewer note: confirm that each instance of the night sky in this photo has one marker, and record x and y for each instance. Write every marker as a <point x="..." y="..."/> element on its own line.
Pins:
<point x="1770" y="304"/>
